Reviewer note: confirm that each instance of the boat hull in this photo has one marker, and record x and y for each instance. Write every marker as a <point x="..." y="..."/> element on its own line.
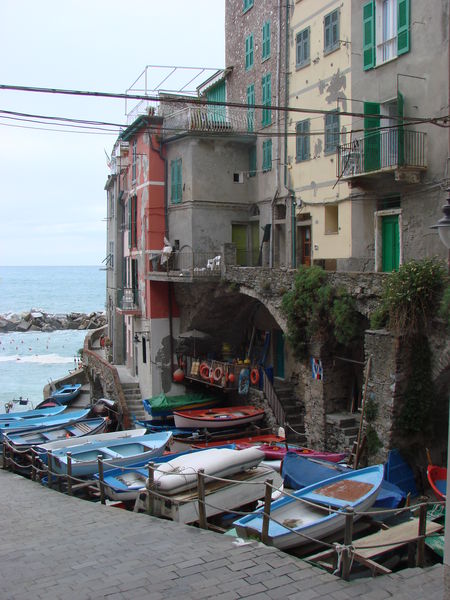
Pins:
<point x="76" y="431"/>
<point x="217" y="418"/>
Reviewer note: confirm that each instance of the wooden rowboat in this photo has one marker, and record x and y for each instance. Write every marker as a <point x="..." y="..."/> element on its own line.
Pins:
<point x="65" y="418"/>
<point x="66" y="393"/>
<point x="315" y="511"/>
<point x="217" y="418"/>
<point x="31" y="414"/>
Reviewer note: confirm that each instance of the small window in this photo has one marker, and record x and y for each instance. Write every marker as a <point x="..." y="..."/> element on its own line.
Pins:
<point x="266" y="40"/>
<point x="266" y="99"/>
<point x="249" y="52"/>
<point x="247" y="5"/>
<point x="331" y="219"/>
<point x="302" y="141"/>
<point x="252" y="162"/>
<point x="176" y="184"/>
<point x="331" y="31"/>
<point x="331" y="132"/>
<point x="267" y="155"/>
<point x="251" y="107"/>
<point x="238" y="177"/>
<point x="302" y="42"/>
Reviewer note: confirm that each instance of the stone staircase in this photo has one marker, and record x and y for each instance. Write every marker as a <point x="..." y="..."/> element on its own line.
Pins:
<point x="343" y="427"/>
<point x="294" y="410"/>
<point x="133" y="397"/>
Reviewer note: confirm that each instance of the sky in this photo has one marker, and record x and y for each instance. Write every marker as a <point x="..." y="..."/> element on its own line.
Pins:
<point x="52" y="197"/>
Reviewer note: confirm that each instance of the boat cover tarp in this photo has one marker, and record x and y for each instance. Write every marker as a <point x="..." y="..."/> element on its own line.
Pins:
<point x="163" y="402"/>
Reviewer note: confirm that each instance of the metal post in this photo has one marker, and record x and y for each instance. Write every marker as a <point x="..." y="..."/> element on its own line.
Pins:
<point x="266" y="516"/>
<point x="4" y="459"/>
<point x="149" y="486"/>
<point x="69" y="473"/>
<point x="100" y="478"/>
<point x="202" y="522"/>
<point x="49" y="468"/>
<point x="33" y="465"/>
<point x="348" y="538"/>
<point x="420" y="560"/>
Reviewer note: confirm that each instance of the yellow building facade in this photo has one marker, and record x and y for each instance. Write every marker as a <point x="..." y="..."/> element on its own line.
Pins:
<point x="320" y="56"/>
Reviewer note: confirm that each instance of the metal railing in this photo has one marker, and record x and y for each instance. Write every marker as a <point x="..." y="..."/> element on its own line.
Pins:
<point x="380" y="151"/>
<point x="128" y="299"/>
<point x="192" y="264"/>
<point x="209" y="119"/>
<point x="272" y="399"/>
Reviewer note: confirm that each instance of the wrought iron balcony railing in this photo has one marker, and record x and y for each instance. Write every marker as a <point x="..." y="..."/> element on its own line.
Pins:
<point x="209" y="119"/>
<point x="188" y="263"/>
<point x="128" y="301"/>
<point x="383" y="151"/>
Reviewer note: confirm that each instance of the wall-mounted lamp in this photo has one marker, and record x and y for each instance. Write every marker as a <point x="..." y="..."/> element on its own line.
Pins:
<point x="443" y="226"/>
<point x="136" y="338"/>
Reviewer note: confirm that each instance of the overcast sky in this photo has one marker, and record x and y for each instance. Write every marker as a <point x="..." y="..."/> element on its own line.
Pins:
<point x="53" y="202"/>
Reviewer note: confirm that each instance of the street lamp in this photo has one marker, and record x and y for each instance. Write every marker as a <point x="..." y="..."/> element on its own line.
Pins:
<point x="443" y="225"/>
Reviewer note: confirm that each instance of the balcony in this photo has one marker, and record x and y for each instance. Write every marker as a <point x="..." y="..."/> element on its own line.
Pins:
<point x="127" y="303"/>
<point x="186" y="266"/>
<point x="401" y="152"/>
<point x="209" y="119"/>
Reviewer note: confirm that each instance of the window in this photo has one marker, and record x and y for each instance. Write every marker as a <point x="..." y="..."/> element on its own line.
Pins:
<point x="267" y="155"/>
<point x="266" y="40"/>
<point x="176" y="181"/>
<point x="331" y="31"/>
<point x="331" y="132"/>
<point x="385" y="31"/>
<point x="134" y="161"/>
<point x="303" y="47"/>
<point x="247" y="5"/>
<point x="266" y="99"/>
<point x="331" y="219"/>
<point x="249" y="52"/>
<point x="132" y="222"/>
<point x="251" y="107"/>
<point x="252" y="161"/>
<point x="302" y="141"/>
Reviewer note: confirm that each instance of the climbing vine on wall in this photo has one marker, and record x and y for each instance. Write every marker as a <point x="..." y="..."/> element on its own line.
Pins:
<point x="315" y="308"/>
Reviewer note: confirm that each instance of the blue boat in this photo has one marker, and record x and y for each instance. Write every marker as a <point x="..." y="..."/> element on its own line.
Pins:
<point x="119" y="452"/>
<point x="30" y="414"/>
<point x="66" y="393"/>
<point x="74" y="431"/>
<point x="316" y="511"/>
<point x="300" y="471"/>
<point x="65" y="418"/>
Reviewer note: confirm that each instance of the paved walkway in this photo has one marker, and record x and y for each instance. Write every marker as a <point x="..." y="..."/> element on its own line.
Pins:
<point x="57" y="547"/>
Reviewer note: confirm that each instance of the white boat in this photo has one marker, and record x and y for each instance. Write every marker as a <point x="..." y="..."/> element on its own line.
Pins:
<point x="84" y="458"/>
<point x="99" y="437"/>
<point x="316" y="511"/>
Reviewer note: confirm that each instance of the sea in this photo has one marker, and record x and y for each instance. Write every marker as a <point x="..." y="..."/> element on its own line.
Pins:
<point x="28" y="361"/>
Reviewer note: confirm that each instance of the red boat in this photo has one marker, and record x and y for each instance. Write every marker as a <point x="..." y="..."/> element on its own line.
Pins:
<point x="215" y="418"/>
<point x="277" y="452"/>
<point x="437" y="478"/>
<point x="242" y="442"/>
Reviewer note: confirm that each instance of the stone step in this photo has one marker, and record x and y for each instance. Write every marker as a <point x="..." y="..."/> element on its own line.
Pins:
<point x="350" y="431"/>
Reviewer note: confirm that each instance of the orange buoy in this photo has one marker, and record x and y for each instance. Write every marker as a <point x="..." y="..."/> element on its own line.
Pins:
<point x="254" y="376"/>
<point x="178" y="375"/>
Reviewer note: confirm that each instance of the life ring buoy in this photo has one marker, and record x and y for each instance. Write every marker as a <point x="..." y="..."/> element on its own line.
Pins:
<point x="204" y="371"/>
<point x="254" y="376"/>
<point x="218" y="374"/>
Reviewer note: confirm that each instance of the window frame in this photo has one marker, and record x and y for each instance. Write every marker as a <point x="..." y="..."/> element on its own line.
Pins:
<point x="298" y="44"/>
<point x="265" y="45"/>
<point x="249" y="52"/>
<point x="334" y="44"/>
<point x="302" y="138"/>
<point x="176" y="181"/>
<point x="267" y="156"/>
<point x="266" y="89"/>
<point x="331" y="129"/>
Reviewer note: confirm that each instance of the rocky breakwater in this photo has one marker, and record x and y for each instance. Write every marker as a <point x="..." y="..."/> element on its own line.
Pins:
<point x="36" y="320"/>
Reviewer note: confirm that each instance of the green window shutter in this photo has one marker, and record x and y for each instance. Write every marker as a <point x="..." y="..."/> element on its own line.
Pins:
<point x="302" y="47"/>
<point x="331" y="132"/>
<point x="267" y="155"/>
<point x="175" y="181"/>
<point x="130" y="212"/>
<point x="251" y="109"/>
<point x="252" y="161"/>
<point x="302" y="140"/>
<point x="247" y="4"/>
<point x="266" y="99"/>
<point x="331" y="31"/>
<point x="403" y="12"/>
<point x="179" y="181"/>
<point x="372" y="139"/>
<point x="217" y="113"/>
<point x="249" y="52"/>
<point x="266" y="40"/>
<point x="369" y="35"/>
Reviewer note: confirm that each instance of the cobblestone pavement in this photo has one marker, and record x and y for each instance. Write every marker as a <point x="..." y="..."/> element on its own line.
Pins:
<point x="59" y="547"/>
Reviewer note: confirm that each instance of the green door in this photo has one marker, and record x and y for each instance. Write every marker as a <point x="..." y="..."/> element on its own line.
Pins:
<point x="217" y="114"/>
<point x="372" y="145"/>
<point x="239" y="239"/>
<point x="390" y="243"/>
<point x="279" y="353"/>
<point x="254" y="230"/>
